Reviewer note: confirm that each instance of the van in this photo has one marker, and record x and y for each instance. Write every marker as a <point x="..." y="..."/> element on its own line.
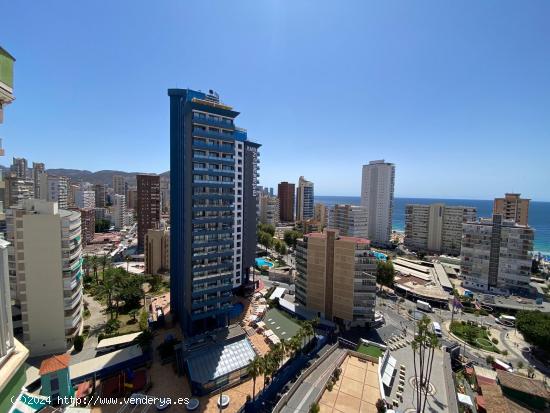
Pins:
<point x="436" y="329"/>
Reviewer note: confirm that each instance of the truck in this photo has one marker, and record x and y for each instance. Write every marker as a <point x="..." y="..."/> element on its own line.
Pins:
<point x="424" y="306"/>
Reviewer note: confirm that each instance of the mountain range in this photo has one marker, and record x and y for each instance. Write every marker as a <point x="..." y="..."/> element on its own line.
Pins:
<point x="104" y="177"/>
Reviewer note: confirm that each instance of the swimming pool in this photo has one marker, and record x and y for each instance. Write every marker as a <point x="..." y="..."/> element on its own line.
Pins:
<point x="379" y="256"/>
<point x="236" y="310"/>
<point x="260" y="262"/>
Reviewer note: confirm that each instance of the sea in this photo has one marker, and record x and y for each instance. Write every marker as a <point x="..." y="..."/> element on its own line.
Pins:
<point x="539" y="213"/>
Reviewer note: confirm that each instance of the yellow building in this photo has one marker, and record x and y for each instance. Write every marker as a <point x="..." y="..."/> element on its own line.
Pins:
<point x="157" y="251"/>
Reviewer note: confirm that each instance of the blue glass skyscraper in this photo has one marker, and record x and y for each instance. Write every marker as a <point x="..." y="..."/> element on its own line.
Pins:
<point x="213" y="203"/>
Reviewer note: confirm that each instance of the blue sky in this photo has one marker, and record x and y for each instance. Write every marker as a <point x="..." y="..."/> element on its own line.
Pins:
<point x="457" y="94"/>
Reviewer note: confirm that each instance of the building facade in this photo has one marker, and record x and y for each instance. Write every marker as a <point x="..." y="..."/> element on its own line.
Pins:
<point x="496" y="256"/>
<point x="165" y="194"/>
<point x="37" y="169"/>
<point x="336" y="277"/>
<point x="513" y="207"/>
<point x="157" y="251"/>
<point x="16" y="190"/>
<point x="100" y="196"/>
<point x="120" y="213"/>
<point x="84" y="199"/>
<point x="377" y="186"/>
<point x="349" y="220"/>
<point x="321" y="214"/>
<point x="304" y="200"/>
<point x="214" y="202"/>
<point x="45" y="259"/>
<point x="57" y="190"/>
<point x="19" y="168"/>
<point x="119" y="185"/>
<point x="269" y="210"/>
<point x="285" y="193"/>
<point x="87" y="216"/>
<point x="436" y="228"/>
<point x="148" y="205"/>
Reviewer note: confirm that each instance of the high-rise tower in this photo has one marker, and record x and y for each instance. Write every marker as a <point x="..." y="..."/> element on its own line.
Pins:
<point x="213" y="204"/>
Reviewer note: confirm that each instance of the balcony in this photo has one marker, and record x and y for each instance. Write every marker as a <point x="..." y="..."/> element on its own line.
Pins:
<point x="215" y="172"/>
<point x="228" y="160"/>
<point x="212" y="267"/>
<point x="214" y="147"/>
<point x="212" y="287"/>
<point x="212" y="134"/>
<point x="209" y="121"/>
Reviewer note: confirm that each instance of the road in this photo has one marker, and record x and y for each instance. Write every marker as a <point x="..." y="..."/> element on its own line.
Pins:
<point x="309" y="391"/>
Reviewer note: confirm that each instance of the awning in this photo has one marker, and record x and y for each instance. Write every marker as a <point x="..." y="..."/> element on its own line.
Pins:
<point x="260" y="324"/>
<point x="387" y="373"/>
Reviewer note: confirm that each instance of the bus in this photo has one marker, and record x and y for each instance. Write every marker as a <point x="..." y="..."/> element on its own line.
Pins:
<point x="506" y="320"/>
<point x="436" y="329"/>
<point x="424" y="306"/>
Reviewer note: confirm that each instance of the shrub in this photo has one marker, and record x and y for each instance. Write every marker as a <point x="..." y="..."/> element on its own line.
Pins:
<point x="505" y="352"/>
<point x="330" y="386"/>
<point x="489" y="359"/>
<point x="494" y="340"/>
<point x="78" y="343"/>
<point x="112" y="326"/>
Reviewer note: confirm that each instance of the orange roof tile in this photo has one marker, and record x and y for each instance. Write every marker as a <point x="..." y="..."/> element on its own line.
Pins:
<point x="54" y="363"/>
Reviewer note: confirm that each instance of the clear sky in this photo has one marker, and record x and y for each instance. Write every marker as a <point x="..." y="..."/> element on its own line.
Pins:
<point x="455" y="93"/>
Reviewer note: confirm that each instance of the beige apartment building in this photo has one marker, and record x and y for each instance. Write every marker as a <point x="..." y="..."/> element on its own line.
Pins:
<point x="269" y="209"/>
<point x="349" y="220"/>
<point x="496" y="256"/>
<point x="512" y="207"/>
<point x="45" y="258"/>
<point x="321" y="214"/>
<point x="157" y="251"/>
<point x="436" y="228"/>
<point x="336" y="277"/>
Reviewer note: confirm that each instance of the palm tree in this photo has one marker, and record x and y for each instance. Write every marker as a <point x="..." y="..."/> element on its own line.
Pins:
<point x="254" y="370"/>
<point x="95" y="266"/>
<point x="86" y="265"/>
<point x="104" y="263"/>
<point x="308" y="330"/>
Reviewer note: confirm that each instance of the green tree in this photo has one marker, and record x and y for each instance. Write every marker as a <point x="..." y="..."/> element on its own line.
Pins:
<point x="270" y="229"/>
<point x="385" y="273"/>
<point x="423" y="347"/>
<point x="291" y="236"/>
<point x="78" y="343"/>
<point x="145" y="340"/>
<point x="102" y="225"/>
<point x="535" y="327"/>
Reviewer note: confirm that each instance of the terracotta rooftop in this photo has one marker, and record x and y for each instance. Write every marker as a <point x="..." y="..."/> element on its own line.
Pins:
<point x="522" y="384"/>
<point x="54" y="363"/>
<point x="495" y="402"/>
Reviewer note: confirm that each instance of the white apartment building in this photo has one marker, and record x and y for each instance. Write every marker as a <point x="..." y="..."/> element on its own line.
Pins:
<point x="377" y="186"/>
<point x="119" y="185"/>
<point x="45" y="258"/>
<point x="269" y="209"/>
<point x="436" y="228"/>
<point x="496" y="256"/>
<point x="120" y="213"/>
<point x="304" y="200"/>
<point x="349" y="220"/>
<point x="54" y="189"/>
<point x="84" y="199"/>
